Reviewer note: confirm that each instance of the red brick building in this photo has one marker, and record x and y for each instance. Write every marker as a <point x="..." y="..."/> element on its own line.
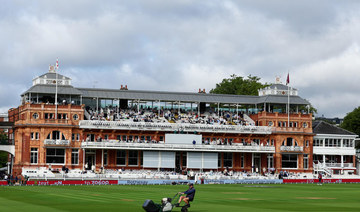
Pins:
<point x="91" y="128"/>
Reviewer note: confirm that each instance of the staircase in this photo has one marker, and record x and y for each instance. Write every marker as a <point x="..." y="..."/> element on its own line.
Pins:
<point x="321" y="167"/>
<point x="87" y="115"/>
<point x="249" y="120"/>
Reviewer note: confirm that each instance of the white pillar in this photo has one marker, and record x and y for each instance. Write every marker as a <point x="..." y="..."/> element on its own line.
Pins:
<point x="83" y="159"/>
<point x="342" y="160"/>
<point x="324" y="159"/>
<point x="218" y="110"/>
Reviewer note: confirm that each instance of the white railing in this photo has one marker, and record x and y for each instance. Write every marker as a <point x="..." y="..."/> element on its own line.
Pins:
<point x="186" y="127"/>
<point x="292" y="148"/>
<point x="177" y="147"/>
<point x="339" y="165"/>
<point x="56" y="142"/>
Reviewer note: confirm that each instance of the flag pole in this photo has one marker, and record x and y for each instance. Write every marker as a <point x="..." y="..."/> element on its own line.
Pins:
<point x="288" y="105"/>
<point x="56" y="88"/>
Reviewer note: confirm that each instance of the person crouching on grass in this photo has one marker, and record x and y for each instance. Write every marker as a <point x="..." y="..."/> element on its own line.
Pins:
<point x="190" y="194"/>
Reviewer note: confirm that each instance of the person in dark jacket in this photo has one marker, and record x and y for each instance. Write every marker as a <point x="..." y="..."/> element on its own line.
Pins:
<point x="190" y="194"/>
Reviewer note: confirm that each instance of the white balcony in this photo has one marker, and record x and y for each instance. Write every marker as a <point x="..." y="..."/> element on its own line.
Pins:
<point x="186" y="127"/>
<point x="291" y="148"/>
<point x="53" y="142"/>
<point x="319" y="150"/>
<point x="177" y="147"/>
<point x="339" y="165"/>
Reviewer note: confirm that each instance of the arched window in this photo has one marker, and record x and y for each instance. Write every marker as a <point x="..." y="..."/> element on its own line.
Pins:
<point x="56" y="135"/>
<point x="290" y="142"/>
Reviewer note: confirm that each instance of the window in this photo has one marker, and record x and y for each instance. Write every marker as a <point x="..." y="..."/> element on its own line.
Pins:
<point x="289" y="142"/>
<point x="56" y="135"/>
<point x="270" y="161"/>
<point x="34" y="156"/>
<point x="272" y="142"/>
<point x="76" y="117"/>
<point x="121" y="157"/>
<point x="130" y="137"/>
<point x="228" y="159"/>
<point x="307" y="143"/>
<point x="305" y="125"/>
<point x="105" y="157"/>
<point x="348" y="143"/>
<point x="124" y="138"/>
<point x="318" y="142"/>
<point x="90" y="137"/>
<point x="75" y="137"/>
<point x="34" y="136"/>
<point x="148" y="138"/>
<point x="219" y="160"/>
<point x="142" y="138"/>
<point x="35" y="115"/>
<point x="118" y="137"/>
<point x="161" y="138"/>
<point x="106" y="137"/>
<point x="49" y="116"/>
<point x="289" y="161"/>
<point x="256" y="141"/>
<point x="55" y="156"/>
<point x="141" y="158"/>
<point x="306" y="161"/>
<point x="242" y="162"/>
<point x="270" y="124"/>
<point x="75" y="157"/>
<point x="184" y="158"/>
<point x="133" y="158"/>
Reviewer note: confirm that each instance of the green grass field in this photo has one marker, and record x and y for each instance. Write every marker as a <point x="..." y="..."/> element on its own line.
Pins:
<point x="329" y="197"/>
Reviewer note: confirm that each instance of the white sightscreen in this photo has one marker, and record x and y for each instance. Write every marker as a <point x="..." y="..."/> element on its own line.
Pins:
<point x="158" y="159"/>
<point x="183" y="139"/>
<point x="210" y="160"/>
<point x="202" y="160"/>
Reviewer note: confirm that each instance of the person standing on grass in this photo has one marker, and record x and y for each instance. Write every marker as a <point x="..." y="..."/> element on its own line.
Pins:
<point x="320" y="178"/>
<point x="190" y="194"/>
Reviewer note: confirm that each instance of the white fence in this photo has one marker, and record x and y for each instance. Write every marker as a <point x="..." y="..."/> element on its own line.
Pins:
<point x="173" y="147"/>
<point x="186" y="127"/>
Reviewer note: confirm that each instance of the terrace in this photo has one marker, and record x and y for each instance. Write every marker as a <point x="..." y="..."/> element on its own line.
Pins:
<point x="185" y="127"/>
<point x="235" y="147"/>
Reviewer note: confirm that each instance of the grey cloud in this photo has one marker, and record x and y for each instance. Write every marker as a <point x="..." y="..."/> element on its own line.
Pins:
<point x="183" y="45"/>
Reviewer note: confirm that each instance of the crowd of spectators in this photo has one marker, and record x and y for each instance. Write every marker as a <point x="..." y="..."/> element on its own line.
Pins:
<point x="110" y="113"/>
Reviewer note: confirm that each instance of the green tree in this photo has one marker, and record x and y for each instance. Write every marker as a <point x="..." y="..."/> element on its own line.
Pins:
<point x="352" y="122"/>
<point x="3" y="138"/>
<point x="239" y="85"/>
<point x="3" y="155"/>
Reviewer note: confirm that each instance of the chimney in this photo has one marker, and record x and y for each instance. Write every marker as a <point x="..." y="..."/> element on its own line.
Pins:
<point x="121" y="87"/>
<point x="126" y="87"/>
<point x="204" y="91"/>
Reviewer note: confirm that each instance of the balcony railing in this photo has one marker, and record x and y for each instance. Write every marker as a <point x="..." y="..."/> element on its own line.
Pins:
<point x="177" y="147"/>
<point x="333" y="165"/>
<point x="124" y="125"/>
<point x="53" y="142"/>
<point x="339" y="165"/>
<point x="292" y="148"/>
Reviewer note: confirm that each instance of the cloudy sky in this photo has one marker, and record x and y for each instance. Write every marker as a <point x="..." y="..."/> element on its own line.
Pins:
<point x="185" y="45"/>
